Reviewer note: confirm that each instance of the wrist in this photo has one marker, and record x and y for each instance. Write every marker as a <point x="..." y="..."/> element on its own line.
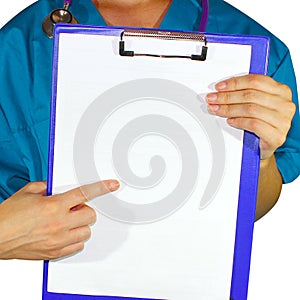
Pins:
<point x="266" y="162"/>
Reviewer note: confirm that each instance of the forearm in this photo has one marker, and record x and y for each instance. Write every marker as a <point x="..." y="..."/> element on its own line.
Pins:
<point x="269" y="186"/>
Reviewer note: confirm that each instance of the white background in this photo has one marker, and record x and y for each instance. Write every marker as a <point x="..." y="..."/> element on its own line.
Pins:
<point x="275" y="270"/>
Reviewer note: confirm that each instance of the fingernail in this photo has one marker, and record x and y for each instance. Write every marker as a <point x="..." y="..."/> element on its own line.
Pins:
<point x="113" y="185"/>
<point x="221" y="85"/>
<point x="212" y="108"/>
<point x="211" y="97"/>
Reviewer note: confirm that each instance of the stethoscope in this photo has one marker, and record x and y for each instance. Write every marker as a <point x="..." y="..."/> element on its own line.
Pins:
<point x="59" y="15"/>
<point x="63" y="15"/>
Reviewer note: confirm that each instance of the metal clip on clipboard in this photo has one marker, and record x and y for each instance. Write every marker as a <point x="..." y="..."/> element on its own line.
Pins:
<point x="167" y="36"/>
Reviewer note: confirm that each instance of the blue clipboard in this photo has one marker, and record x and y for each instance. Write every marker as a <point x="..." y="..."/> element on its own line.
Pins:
<point x="249" y="170"/>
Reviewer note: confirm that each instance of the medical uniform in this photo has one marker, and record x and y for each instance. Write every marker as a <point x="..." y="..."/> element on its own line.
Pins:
<point x="25" y="82"/>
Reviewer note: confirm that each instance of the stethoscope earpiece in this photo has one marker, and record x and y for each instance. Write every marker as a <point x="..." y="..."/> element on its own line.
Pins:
<point x="60" y="15"/>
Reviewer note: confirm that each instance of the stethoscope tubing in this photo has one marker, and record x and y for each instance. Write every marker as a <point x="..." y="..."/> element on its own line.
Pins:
<point x="204" y="16"/>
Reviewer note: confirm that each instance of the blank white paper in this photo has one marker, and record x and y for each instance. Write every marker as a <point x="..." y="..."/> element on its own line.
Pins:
<point x="179" y="251"/>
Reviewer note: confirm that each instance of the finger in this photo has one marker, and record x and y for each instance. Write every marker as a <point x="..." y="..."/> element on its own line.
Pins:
<point x="74" y="243"/>
<point x="80" y="234"/>
<point x="246" y="96"/>
<point x="262" y="130"/>
<point x="69" y="237"/>
<point x="88" y="192"/>
<point x="250" y="111"/>
<point x="66" y="251"/>
<point x="256" y="82"/>
<point x="82" y="217"/>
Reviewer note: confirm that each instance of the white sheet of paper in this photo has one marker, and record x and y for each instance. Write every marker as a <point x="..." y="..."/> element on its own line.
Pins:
<point x="182" y="253"/>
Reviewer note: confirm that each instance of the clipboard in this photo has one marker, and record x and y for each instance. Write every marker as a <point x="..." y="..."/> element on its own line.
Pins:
<point x="124" y="48"/>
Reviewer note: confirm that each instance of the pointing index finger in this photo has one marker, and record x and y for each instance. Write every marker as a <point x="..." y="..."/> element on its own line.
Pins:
<point x="89" y="191"/>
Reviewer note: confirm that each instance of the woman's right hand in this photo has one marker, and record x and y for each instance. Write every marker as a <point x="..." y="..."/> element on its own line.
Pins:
<point x="39" y="227"/>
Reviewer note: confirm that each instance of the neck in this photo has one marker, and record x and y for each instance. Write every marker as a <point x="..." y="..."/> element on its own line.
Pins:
<point x="134" y="13"/>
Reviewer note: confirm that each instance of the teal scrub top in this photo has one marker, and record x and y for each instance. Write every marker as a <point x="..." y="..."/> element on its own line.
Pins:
<point x="25" y="82"/>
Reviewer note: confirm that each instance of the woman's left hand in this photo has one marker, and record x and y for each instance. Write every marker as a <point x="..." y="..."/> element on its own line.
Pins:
<point x="258" y="104"/>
